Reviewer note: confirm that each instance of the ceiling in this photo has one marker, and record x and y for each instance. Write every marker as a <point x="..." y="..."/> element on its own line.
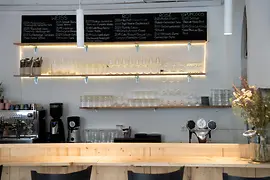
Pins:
<point x="66" y="5"/>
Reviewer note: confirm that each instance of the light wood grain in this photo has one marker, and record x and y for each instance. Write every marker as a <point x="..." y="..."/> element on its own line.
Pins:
<point x="112" y="161"/>
<point x="206" y="173"/>
<point x="245" y="172"/>
<point x="139" y="161"/>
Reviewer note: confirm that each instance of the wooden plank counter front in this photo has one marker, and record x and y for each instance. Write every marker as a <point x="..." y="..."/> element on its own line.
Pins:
<point x="112" y="161"/>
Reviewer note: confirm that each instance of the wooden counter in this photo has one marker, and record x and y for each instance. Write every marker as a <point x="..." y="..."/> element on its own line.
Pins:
<point x="111" y="161"/>
<point x="165" y="161"/>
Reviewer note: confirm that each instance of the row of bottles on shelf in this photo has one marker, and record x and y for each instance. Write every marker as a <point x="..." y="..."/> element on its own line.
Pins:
<point x="117" y="66"/>
<point x="168" y="98"/>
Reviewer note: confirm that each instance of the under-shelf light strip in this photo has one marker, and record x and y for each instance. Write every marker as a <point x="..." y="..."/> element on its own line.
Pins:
<point x="115" y="46"/>
<point x="204" y="57"/>
<point x="115" y="77"/>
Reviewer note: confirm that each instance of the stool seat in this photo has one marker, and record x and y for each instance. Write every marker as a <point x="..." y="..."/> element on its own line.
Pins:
<point x="176" y="175"/>
<point x="79" y="175"/>
<point x="229" y="177"/>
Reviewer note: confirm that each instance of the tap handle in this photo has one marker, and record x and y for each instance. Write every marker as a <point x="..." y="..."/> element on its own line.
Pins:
<point x="190" y="136"/>
<point x="190" y="125"/>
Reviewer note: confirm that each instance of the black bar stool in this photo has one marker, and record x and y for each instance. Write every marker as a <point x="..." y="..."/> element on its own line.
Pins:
<point x="176" y="175"/>
<point x="80" y="175"/>
<point x="229" y="177"/>
<point x="1" y="168"/>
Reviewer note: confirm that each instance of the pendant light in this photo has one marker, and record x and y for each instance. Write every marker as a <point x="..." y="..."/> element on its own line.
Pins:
<point x="228" y="17"/>
<point x="80" y="26"/>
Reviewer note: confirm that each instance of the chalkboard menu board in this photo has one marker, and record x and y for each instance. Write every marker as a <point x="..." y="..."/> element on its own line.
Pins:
<point x="48" y="29"/>
<point x="116" y="27"/>
<point x="146" y="27"/>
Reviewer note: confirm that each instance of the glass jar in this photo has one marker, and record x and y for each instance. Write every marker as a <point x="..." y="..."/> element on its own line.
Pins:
<point x="258" y="147"/>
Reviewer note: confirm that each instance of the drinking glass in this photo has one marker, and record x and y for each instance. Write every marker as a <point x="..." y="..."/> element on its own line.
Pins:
<point x="113" y="134"/>
<point x="156" y="102"/>
<point x="102" y="134"/>
<point x="81" y="101"/>
<point x="100" y="101"/>
<point x="94" y="101"/>
<point x="218" y="93"/>
<point x="214" y="97"/>
<point x="119" y="133"/>
<point x="222" y="97"/>
<point x="84" y="103"/>
<point x="136" y="102"/>
<point x="89" y="101"/>
<point x="105" y="101"/>
<point x="90" y="135"/>
<point x="228" y="95"/>
<point x="87" y="135"/>
<point x="96" y="135"/>
<point x="86" y="69"/>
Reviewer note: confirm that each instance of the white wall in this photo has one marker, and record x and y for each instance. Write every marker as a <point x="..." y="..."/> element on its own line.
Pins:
<point x="258" y="37"/>
<point x="223" y="68"/>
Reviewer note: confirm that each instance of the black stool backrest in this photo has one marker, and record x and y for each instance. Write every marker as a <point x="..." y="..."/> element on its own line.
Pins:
<point x="176" y="175"/>
<point x="229" y="177"/>
<point x="1" y="168"/>
<point x="80" y="175"/>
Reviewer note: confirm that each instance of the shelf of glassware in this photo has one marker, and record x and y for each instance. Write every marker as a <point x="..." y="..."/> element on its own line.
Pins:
<point x="148" y="43"/>
<point x="89" y="75"/>
<point x="157" y="107"/>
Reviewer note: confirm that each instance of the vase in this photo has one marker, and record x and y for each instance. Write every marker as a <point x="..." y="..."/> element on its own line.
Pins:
<point x="258" y="147"/>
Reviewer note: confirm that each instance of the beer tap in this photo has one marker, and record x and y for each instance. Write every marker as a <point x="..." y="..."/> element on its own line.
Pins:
<point x="202" y="130"/>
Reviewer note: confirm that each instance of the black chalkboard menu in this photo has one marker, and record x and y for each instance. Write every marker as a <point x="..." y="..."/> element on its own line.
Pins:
<point x="48" y="28"/>
<point x="146" y="27"/>
<point x="116" y="27"/>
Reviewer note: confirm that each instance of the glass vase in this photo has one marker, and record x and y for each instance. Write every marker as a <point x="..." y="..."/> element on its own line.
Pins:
<point x="258" y="147"/>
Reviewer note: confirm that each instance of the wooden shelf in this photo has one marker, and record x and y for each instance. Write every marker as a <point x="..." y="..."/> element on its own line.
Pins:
<point x="159" y="107"/>
<point x="110" y="43"/>
<point x="95" y="75"/>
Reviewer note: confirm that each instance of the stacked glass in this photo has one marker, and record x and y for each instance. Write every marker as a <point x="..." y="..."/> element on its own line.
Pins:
<point x="101" y="135"/>
<point x="221" y="97"/>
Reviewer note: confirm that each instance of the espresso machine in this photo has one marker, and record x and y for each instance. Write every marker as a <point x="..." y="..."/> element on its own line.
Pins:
<point x="202" y="129"/>
<point x="22" y="126"/>
<point x="73" y="129"/>
<point x="57" y="132"/>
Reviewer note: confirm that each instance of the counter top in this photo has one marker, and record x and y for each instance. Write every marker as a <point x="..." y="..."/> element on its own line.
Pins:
<point x="128" y="154"/>
<point x="133" y="161"/>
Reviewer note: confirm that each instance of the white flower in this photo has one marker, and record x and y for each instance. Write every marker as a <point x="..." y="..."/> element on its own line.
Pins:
<point x="243" y="90"/>
<point x="252" y="87"/>
<point x="235" y="94"/>
<point x="248" y="93"/>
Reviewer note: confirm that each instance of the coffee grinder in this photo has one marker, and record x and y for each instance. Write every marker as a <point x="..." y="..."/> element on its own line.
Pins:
<point x="73" y="129"/>
<point x="57" y="131"/>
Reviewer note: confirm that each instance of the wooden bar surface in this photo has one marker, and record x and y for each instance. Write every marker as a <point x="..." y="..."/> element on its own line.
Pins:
<point x="128" y="154"/>
<point x="113" y="160"/>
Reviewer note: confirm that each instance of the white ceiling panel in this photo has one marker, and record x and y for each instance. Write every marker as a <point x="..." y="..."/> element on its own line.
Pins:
<point x="94" y="5"/>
